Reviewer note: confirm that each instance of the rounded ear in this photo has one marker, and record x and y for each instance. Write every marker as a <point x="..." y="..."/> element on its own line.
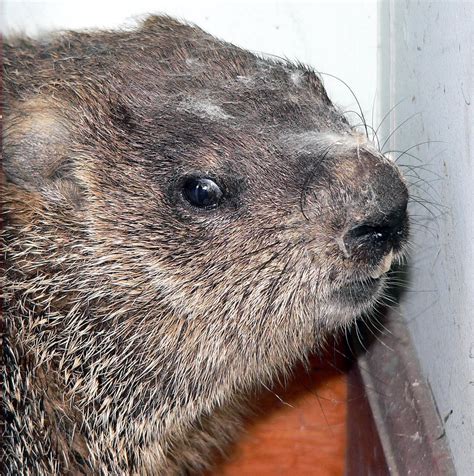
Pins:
<point x="36" y="147"/>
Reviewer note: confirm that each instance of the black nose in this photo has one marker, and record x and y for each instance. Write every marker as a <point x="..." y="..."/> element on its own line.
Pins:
<point x="366" y="201"/>
<point x="379" y="233"/>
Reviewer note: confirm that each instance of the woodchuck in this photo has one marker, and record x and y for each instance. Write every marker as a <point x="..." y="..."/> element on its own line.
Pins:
<point x="183" y="222"/>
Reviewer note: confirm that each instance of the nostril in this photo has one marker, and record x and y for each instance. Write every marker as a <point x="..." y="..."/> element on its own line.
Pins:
<point x="377" y="238"/>
<point x="375" y="233"/>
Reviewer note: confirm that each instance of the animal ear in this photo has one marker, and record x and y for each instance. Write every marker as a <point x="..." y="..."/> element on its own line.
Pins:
<point x="36" y="148"/>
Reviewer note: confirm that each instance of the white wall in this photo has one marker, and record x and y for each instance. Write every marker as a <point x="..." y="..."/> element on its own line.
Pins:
<point x="427" y="64"/>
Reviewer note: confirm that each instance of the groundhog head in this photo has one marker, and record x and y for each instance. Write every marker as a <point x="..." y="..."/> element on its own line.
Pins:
<point x="184" y="219"/>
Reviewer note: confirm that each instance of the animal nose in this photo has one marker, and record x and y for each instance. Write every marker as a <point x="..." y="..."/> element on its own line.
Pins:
<point x="365" y="200"/>
<point x="380" y="232"/>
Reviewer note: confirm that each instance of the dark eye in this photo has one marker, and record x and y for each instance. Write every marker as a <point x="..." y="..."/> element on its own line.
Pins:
<point x="202" y="192"/>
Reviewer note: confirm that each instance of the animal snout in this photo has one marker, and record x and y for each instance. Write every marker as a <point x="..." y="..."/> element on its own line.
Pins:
<point x="384" y="226"/>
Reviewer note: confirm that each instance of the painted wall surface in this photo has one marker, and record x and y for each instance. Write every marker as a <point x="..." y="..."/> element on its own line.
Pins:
<point x="427" y="72"/>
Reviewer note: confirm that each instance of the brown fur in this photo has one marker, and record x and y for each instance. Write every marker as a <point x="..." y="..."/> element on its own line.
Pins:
<point x="137" y="325"/>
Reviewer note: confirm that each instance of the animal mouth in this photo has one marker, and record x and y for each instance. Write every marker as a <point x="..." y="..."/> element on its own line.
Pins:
<point x="363" y="291"/>
<point x="360" y="291"/>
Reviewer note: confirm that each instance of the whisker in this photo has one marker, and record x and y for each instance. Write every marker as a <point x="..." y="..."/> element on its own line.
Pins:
<point x="374" y="132"/>
<point x="398" y="127"/>
<point x="388" y="114"/>
<point x="354" y="96"/>
<point x="418" y="145"/>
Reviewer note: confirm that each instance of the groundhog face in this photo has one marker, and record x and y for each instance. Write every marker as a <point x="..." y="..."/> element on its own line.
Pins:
<point x="183" y="222"/>
<point x="178" y="172"/>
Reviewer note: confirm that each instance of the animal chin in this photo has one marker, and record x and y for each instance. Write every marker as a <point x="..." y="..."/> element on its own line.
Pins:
<point x="358" y="296"/>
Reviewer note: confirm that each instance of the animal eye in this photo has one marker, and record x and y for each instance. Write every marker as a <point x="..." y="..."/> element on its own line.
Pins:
<point x="202" y="192"/>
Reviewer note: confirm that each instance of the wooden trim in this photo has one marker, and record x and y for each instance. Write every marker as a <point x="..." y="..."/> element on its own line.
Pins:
<point x="364" y="452"/>
<point x="299" y="427"/>
<point x="394" y="426"/>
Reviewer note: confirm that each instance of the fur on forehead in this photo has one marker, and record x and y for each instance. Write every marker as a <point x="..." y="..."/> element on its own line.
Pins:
<point x="165" y="69"/>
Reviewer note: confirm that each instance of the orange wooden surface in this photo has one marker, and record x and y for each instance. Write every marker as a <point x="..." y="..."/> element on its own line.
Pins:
<point x="302" y="434"/>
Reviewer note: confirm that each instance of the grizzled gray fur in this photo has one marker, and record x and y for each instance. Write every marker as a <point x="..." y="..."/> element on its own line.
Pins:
<point x="183" y="222"/>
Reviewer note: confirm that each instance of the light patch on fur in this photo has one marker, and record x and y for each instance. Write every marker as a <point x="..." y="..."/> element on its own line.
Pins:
<point x="193" y="62"/>
<point x="244" y="80"/>
<point x="296" y="78"/>
<point x="204" y="108"/>
<point x="311" y="142"/>
<point x="31" y="133"/>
